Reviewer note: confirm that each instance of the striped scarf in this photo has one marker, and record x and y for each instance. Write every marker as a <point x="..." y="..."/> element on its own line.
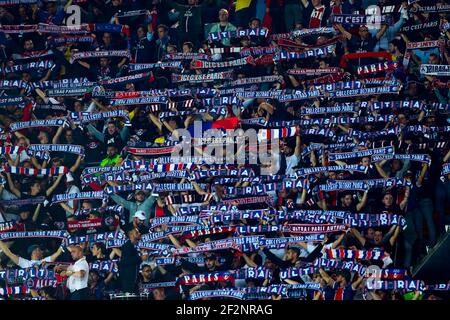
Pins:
<point x="355" y="254"/>
<point x="8" y="291"/>
<point x="268" y="134"/>
<point x="11" y="150"/>
<point x="187" y="198"/>
<point x="150" y="151"/>
<point x="53" y="171"/>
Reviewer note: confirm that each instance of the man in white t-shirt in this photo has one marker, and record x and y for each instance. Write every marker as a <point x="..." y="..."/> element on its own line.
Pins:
<point x="78" y="274"/>
<point x="36" y="256"/>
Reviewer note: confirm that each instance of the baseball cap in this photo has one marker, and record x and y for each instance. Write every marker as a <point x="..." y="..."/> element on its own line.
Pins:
<point x="140" y="215"/>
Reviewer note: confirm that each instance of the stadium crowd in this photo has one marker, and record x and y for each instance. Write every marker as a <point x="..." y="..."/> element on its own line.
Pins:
<point x="94" y="94"/>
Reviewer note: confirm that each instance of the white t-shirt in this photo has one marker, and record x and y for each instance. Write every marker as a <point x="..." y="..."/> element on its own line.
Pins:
<point x="291" y="162"/>
<point x="76" y="282"/>
<point x="25" y="263"/>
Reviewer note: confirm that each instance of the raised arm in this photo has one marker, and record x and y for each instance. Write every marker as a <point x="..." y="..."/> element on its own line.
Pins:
<point x="358" y="236"/>
<point x="58" y="133"/>
<point x="344" y="32"/>
<point x="14" y="258"/>
<point x="326" y="277"/>
<point x="381" y="32"/>
<point x="97" y="134"/>
<point x="55" y="255"/>
<point x="11" y="185"/>
<point x="381" y="171"/>
<point x="338" y="241"/>
<point x="76" y="164"/>
<point x="394" y="237"/>
<point x="363" y="201"/>
<point x="422" y="174"/>
<point x="54" y="185"/>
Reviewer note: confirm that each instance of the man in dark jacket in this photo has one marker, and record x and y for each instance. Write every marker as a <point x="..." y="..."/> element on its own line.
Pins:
<point x="189" y="21"/>
<point x="129" y="262"/>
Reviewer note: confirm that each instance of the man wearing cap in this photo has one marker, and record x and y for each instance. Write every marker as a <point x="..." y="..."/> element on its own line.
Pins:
<point x="35" y="252"/>
<point x="140" y="203"/>
<point x="139" y="219"/>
